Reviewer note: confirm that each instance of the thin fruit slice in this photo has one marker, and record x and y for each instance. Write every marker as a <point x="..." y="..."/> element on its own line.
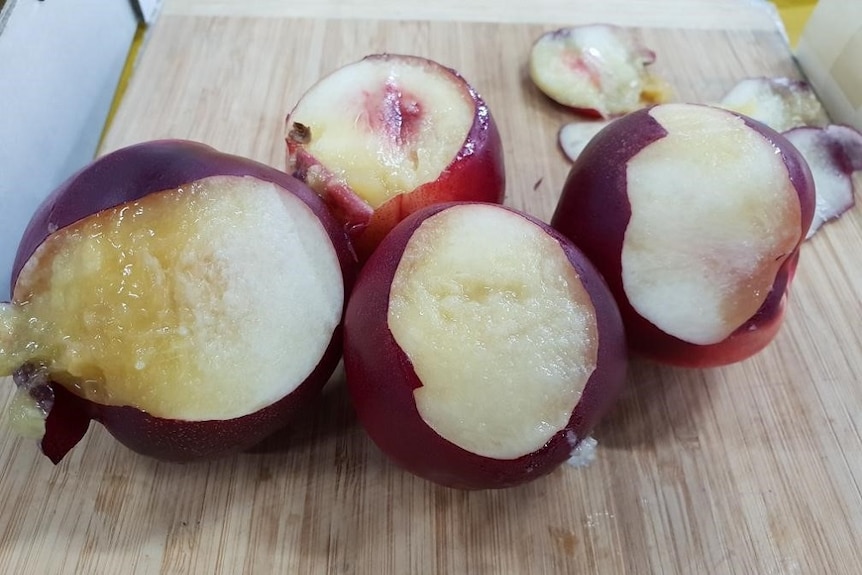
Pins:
<point x="575" y="136"/>
<point x="780" y="103"/>
<point x="598" y="69"/>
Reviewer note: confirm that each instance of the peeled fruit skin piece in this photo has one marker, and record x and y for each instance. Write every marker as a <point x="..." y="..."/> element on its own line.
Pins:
<point x="130" y="175"/>
<point x="574" y="136"/>
<point x="399" y="115"/>
<point x="383" y="381"/>
<point x="595" y="212"/>
<point x="834" y="154"/>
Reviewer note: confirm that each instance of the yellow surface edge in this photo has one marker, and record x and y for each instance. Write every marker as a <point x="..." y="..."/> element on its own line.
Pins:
<point x="794" y="14"/>
<point x="125" y="76"/>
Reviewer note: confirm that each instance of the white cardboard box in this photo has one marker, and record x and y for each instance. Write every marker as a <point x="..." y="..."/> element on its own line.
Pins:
<point x="60" y="63"/>
<point x="830" y="54"/>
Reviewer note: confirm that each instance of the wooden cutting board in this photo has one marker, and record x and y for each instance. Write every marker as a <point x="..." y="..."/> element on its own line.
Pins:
<point x="753" y="469"/>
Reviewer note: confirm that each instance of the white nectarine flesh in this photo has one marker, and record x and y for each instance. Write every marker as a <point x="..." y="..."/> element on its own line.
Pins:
<point x="159" y="303"/>
<point x="715" y="179"/>
<point x="503" y="339"/>
<point x="382" y="127"/>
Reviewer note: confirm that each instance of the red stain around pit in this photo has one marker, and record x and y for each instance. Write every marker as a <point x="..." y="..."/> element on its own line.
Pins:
<point x="581" y="64"/>
<point x="393" y="111"/>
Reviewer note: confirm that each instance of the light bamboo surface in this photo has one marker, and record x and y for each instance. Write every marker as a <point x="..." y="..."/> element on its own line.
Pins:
<point x="692" y="14"/>
<point x="748" y="469"/>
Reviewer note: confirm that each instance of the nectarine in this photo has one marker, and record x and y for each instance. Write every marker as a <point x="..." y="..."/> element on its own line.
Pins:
<point x="383" y="137"/>
<point x="189" y="300"/>
<point x="694" y="215"/>
<point x="481" y="347"/>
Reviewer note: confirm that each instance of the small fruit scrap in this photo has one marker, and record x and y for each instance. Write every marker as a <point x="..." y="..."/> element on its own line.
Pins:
<point x="598" y="70"/>
<point x="834" y="155"/>
<point x="574" y="136"/>
<point x="780" y="103"/>
<point x="833" y="152"/>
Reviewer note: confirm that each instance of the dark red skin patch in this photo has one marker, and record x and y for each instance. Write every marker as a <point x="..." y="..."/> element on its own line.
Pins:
<point x="381" y="379"/>
<point x="477" y="173"/>
<point x="594" y="211"/>
<point x="176" y="440"/>
<point x="184" y="441"/>
<point x="127" y="175"/>
<point x="843" y="144"/>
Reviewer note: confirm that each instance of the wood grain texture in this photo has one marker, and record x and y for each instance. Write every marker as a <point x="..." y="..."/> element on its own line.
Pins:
<point x="699" y="14"/>
<point x="749" y="469"/>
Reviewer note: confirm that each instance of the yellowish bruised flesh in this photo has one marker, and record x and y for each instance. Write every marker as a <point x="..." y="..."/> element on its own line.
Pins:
<point x="713" y="217"/>
<point x="498" y="327"/>
<point x="24" y="417"/>
<point x="386" y="126"/>
<point x="12" y="355"/>
<point x="206" y="302"/>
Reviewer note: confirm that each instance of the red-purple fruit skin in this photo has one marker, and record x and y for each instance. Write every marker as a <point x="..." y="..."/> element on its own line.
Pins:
<point x="381" y="379"/>
<point x="842" y="143"/>
<point x="127" y="175"/>
<point x="594" y="211"/>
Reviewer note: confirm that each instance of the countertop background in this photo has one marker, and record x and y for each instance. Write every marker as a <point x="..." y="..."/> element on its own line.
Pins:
<point x="749" y="468"/>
